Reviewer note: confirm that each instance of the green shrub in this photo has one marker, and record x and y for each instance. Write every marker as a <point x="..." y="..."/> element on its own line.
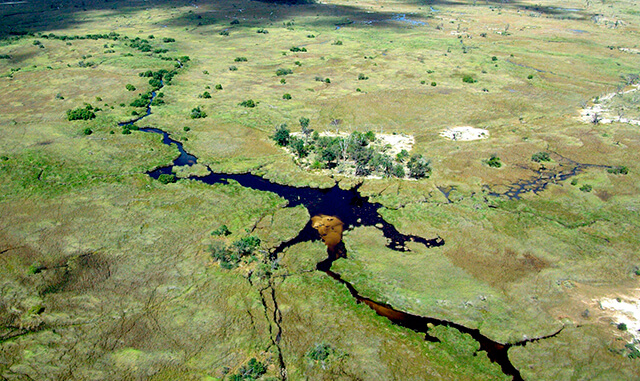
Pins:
<point x="224" y="33"/>
<point x="206" y="95"/>
<point x="530" y="76"/>
<point x="197" y="113"/>
<point x="282" y="135"/>
<point x="362" y="77"/>
<point x="337" y="42"/>
<point x="286" y="96"/>
<point x="186" y="129"/>
<point x="233" y="68"/>
<point x="221" y="231"/>
<point x="398" y="171"/>
<point x="281" y="72"/>
<point x="419" y="167"/>
<point x="298" y="63"/>
<point x="81" y="113"/>
<point x="618" y="170"/>
<point x="494" y="162"/>
<point x="494" y="58"/>
<point x="434" y="84"/>
<point x="166" y="178"/>
<point x="320" y="352"/>
<point x="87" y="131"/>
<point x="253" y="370"/>
<point x="235" y="22"/>
<point x="130" y="87"/>
<point x="402" y="156"/>
<point x="240" y="59"/>
<point x="283" y="81"/>
<point x="586" y="188"/>
<point x="248" y="103"/>
<point x="327" y="80"/>
<point x="622" y="326"/>
<point x="540" y="156"/>
<point x="468" y="79"/>
<point x="262" y="30"/>
<point x="168" y="39"/>
<point x="297" y="49"/>
<point x="218" y="87"/>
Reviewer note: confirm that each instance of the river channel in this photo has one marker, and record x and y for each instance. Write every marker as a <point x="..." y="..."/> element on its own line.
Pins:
<point x="347" y="209"/>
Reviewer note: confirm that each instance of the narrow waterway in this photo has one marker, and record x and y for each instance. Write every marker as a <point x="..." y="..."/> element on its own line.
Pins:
<point x="335" y="210"/>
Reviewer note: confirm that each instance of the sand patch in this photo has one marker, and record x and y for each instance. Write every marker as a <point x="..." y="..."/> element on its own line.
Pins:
<point x="623" y="310"/>
<point x="598" y="112"/>
<point x="465" y="133"/>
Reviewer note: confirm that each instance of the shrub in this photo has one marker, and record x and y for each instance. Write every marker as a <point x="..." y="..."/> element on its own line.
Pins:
<point x="362" y="77"/>
<point x="540" y="156"/>
<point x="468" y="79"/>
<point x="87" y="131"/>
<point x="494" y="58"/>
<point x="370" y="135"/>
<point x="166" y="178"/>
<point x="282" y="135"/>
<point x="262" y="30"/>
<point x="286" y="96"/>
<point x="419" y="167"/>
<point x="130" y="87"/>
<point x="206" y="95"/>
<point x="218" y="87"/>
<point x="155" y="83"/>
<point x="197" y="113"/>
<point x="283" y="81"/>
<point x="186" y="128"/>
<point x="221" y="231"/>
<point x="530" y="76"/>
<point x="320" y="352"/>
<point x="319" y="79"/>
<point x="586" y="188"/>
<point x="157" y="102"/>
<point x="253" y="370"/>
<point x="327" y="80"/>
<point x="619" y="170"/>
<point x="224" y="33"/>
<point x="297" y="49"/>
<point x="298" y="63"/>
<point x="205" y="72"/>
<point x="494" y="162"/>
<point x="235" y="22"/>
<point x="622" y="326"/>
<point x="337" y="42"/>
<point x="248" y="103"/>
<point x="240" y="59"/>
<point x="233" y="68"/>
<point x="281" y="72"/>
<point x="434" y="84"/>
<point x="80" y="113"/>
<point x="402" y="156"/>
<point x="168" y="39"/>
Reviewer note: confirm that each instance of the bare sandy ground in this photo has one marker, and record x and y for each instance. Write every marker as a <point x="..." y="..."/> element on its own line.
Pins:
<point x="603" y="114"/>
<point x="465" y="133"/>
<point x="623" y="310"/>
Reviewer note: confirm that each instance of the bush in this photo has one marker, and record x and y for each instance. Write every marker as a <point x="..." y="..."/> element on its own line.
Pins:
<point x="221" y="231"/>
<point x="327" y="80"/>
<point x="262" y="30"/>
<point x="362" y="77"/>
<point x="298" y="146"/>
<point x="619" y="170"/>
<point x="218" y="87"/>
<point x="402" y="155"/>
<point x="206" y="95"/>
<point x="240" y="59"/>
<point x="168" y="39"/>
<point x="248" y="103"/>
<point x="281" y="72"/>
<point x="298" y="63"/>
<point x="320" y="352"/>
<point x="224" y="33"/>
<point x="282" y="135"/>
<point x="235" y="22"/>
<point x="197" y="113"/>
<point x="155" y="83"/>
<point x="286" y="96"/>
<point x="530" y="76"/>
<point x="233" y="68"/>
<point x="297" y="49"/>
<point x="494" y="58"/>
<point x="166" y="178"/>
<point x="337" y="42"/>
<point x="253" y="370"/>
<point x="494" y="162"/>
<point x="370" y="135"/>
<point x="433" y="84"/>
<point x="85" y="113"/>
<point x="419" y="167"/>
<point x="540" y="156"/>
<point x="398" y="171"/>
<point x="130" y="87"/>
<point x="622" y="326"/>
<point x="468" y="79"/>
<point x="186" y="129"/>
<point x="586" y="188"/>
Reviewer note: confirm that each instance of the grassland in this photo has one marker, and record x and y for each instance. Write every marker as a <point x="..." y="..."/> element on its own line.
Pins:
<point x="106" y="273"/>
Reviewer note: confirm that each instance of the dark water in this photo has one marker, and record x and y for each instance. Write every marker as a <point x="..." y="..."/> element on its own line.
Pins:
<point x="351" y="210"/>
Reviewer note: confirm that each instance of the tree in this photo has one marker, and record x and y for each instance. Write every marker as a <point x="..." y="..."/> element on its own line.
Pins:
<point x="419" y="167"/>
<point x="298" y="146"/>
<point x="304" y="123"/>
<point x="197" y="113"/>
<point x="130" y="87"/>
<point x="282" y="135"/>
